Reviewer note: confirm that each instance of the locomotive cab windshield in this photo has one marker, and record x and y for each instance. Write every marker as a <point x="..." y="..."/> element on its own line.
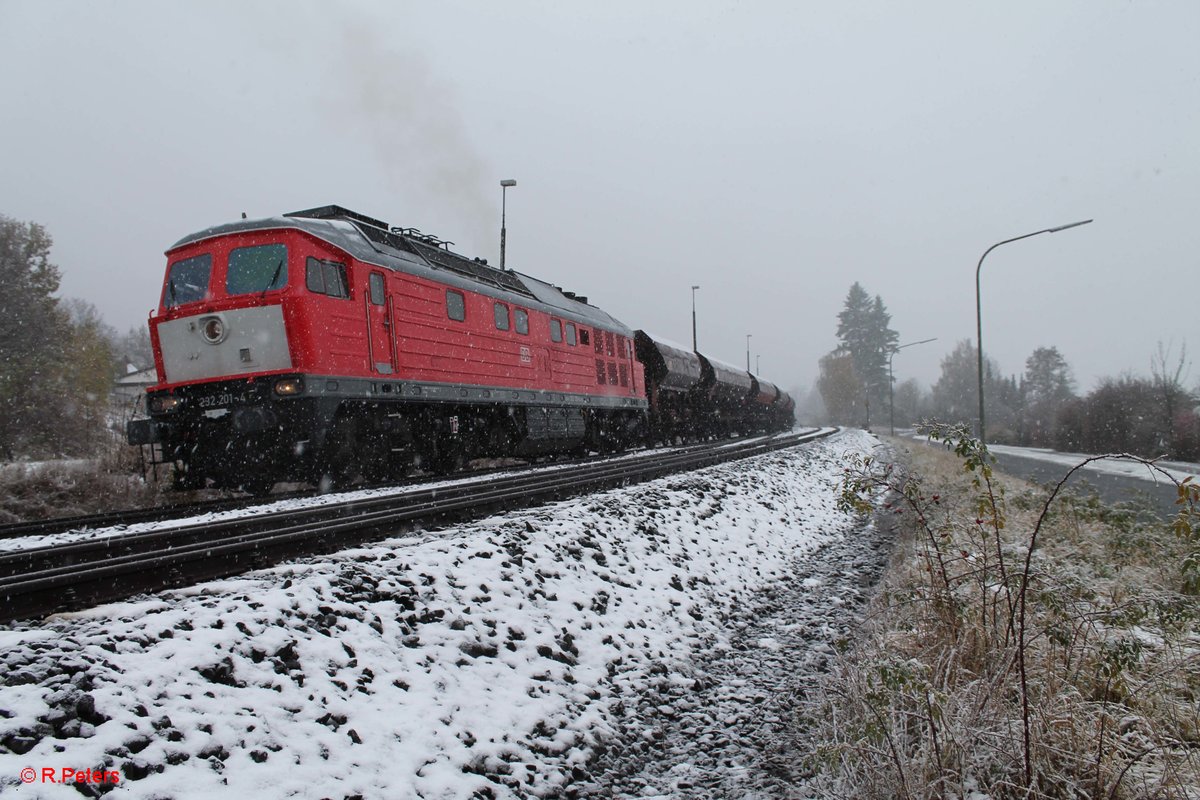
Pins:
<point x="249" y="270"/>
<point x="256" y="269"/>
<point x="187" y="281"/>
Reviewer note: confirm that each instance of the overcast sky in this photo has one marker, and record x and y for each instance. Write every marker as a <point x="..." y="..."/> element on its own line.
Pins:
<point x="771" y="152"/>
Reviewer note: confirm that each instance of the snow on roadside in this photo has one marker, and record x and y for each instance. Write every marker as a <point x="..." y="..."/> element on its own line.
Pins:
<point x="490" y="658"/>
<point x="1110" y="466"/>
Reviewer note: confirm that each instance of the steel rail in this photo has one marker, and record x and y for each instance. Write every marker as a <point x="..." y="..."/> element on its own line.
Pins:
<point x="134" y="516"/>
<point x="23" y="559"/>
<point x="43" y="580"/>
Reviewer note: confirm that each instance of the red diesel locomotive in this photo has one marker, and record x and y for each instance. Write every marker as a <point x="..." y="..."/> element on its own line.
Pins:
<point x="324" y="344"/>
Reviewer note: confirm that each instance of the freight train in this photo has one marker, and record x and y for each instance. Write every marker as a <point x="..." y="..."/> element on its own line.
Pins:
<point x="324" y="345"/>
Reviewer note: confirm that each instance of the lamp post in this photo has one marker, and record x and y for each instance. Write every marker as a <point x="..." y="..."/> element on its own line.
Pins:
<point x="758" y="364"/>
<point x="892" y="381"/>
<point x="694" y="288"/>
<point x="748" y="335"/>
<point x="504" y="184"/>
<point x="979" y="314"/>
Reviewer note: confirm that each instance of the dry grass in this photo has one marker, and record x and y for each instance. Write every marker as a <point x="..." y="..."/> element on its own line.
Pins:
<point x="990" y="668"/>
<point x="57" y="489"/>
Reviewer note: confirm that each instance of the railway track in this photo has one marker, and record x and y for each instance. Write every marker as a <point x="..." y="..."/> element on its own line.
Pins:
<point x="42" y="580"/>
<point x="134" y="516"/>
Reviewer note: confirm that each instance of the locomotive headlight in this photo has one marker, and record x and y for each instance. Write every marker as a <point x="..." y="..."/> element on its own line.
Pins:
<point x="286" y="387"/>
<point x="213" y="330"/>
<point x="164" y="405"/>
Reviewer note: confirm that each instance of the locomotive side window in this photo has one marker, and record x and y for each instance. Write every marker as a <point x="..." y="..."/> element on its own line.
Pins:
<point x="187" y="281"/>
<point x="555" y="331"/>
<point x="375" y="284"/>
<point x="583" y="335"/>
<point x="456" y="305"/>
<point x="256" y="269"/>
<point x="521" y="318"/>
<point x="501" y="317"/>
<point x="326" y="277"/>
<point x="571" y="333"/>
<point x="335" y="279"/>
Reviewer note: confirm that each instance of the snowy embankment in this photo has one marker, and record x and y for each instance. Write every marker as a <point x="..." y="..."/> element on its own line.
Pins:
<point x="496" y="657"/>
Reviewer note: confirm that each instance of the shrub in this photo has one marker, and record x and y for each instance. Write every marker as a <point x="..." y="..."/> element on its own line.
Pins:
<point x="1025" y="643"/>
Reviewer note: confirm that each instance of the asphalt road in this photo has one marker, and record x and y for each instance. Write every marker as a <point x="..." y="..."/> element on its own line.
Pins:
<point x="1111" y="488"/>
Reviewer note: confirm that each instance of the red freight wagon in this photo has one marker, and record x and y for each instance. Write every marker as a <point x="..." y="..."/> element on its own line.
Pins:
<point x="324" y="343"/>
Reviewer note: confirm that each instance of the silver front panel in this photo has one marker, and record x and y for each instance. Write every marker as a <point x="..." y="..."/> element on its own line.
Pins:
<point x="253" y="340"/>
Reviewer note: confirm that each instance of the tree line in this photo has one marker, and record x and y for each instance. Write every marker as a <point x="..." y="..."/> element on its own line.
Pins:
<point x="58" y="358"/>
<point x="1147" y="416"/>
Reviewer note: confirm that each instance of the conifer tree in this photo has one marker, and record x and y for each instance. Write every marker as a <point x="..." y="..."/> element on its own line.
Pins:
<point x="32" y="328"/>
<point x="864" y="329"/>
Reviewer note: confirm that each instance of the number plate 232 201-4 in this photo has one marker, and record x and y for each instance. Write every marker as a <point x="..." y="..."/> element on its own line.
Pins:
<point x="220" y="400"/>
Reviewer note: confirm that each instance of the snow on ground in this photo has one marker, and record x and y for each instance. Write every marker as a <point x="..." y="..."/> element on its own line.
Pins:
<point x="542" y="653"/>
<point x="1111" y="466"/>
<point x="23" y="469"/>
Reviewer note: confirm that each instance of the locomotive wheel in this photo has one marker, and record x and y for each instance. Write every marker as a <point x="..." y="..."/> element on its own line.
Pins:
<point x="339" y="462"/>
<point x="376" y="461"/>
<point x="450" y="458"/>
<point x="258" y="485"/>
<point x="185" y="480"/>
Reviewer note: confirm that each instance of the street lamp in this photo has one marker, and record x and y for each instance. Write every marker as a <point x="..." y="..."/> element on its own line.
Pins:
<point x="758" y="364"/>
<point x="748" y="335"/>
<point x="979" y="314"/>
<point x="504" y="184"/>
<point x="694" y="288"/>
<point x="892" y="381"/>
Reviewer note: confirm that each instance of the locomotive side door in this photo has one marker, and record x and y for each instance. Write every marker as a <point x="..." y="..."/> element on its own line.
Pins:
<point x="627" y="372"/>
<point x="381" y="344"/>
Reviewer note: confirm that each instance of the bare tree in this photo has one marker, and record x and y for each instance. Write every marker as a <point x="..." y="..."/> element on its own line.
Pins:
<point x="1167" y="379"/>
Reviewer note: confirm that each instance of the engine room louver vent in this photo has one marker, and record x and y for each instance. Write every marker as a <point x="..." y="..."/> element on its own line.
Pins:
<point x="472" y="269"/>
<point x="384" y="238"/>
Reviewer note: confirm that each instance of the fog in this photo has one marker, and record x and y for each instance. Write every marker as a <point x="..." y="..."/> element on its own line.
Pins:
<point x="771" y="152"/>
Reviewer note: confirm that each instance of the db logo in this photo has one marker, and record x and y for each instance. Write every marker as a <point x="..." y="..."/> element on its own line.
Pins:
<point x="28" y="775"/>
